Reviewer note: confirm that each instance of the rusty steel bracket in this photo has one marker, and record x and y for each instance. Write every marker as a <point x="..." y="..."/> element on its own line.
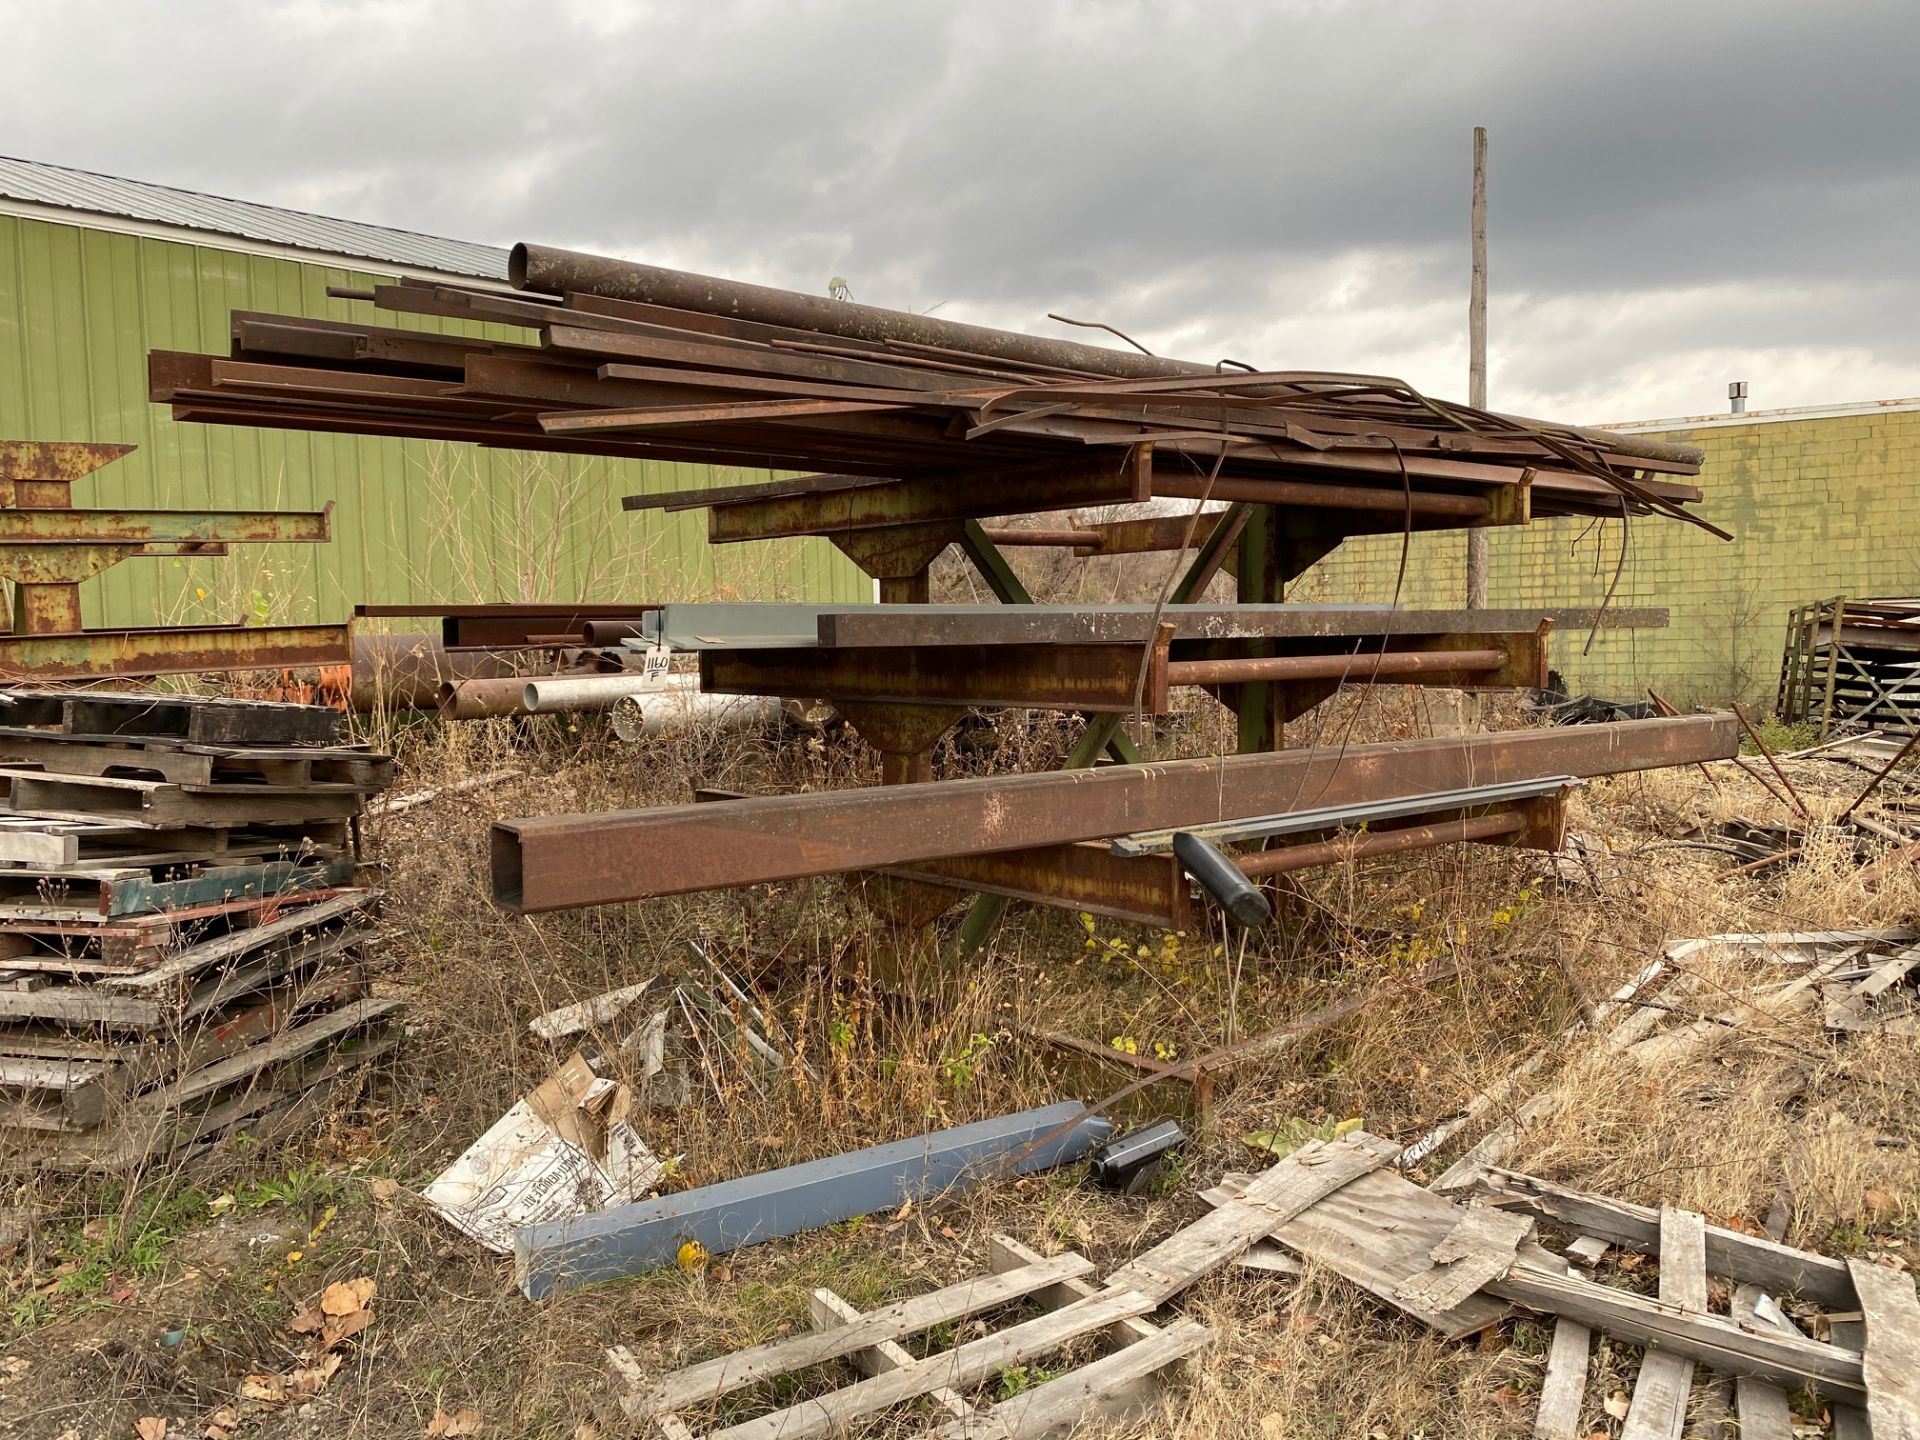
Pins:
<point x="1100" y="477"/>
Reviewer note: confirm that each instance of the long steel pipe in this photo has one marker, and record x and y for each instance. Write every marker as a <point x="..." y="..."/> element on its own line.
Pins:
<point x="1330" y="667"/>
<point x="555" y="272"/>
<point x="483" y="699"/>
<point x="576" y="694"/>
<point x="1383" y="842"/>
<point x="1324" y="497"/>
<point x="1015" y="535"/>
<point x="407" y="672"/>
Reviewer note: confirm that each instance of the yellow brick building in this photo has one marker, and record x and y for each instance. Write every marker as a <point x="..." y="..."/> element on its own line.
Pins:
<point x="1821" y="501"/>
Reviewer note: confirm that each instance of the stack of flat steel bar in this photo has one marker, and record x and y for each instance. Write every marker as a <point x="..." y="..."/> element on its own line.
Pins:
<point x="915" y="420"/>
<point x="181" y="935"/>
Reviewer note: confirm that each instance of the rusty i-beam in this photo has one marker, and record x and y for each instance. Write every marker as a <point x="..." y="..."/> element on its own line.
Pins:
<point x="569" y="861"/>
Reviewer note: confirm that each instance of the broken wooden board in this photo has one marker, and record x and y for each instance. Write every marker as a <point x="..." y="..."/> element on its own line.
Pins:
<point x="1267" y="1200"/>
<point x="1762" y="1407"/>
<point x="1380" y="1233"/>
<point x="1480" y="1248"/>
<point x="157" y="804"/>
<point x="1891" y="1313"/>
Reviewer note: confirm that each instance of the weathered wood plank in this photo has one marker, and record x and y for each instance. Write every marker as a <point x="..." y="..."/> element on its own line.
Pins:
<point x="1712" y="1340"/>
<point x="1006" y="1253"/>
<point x="1564" y="1383"/>
<point x="1379" y="1235"/>
<point x="1762" y="1407"/>
<point x="1068" y="1401"/>
<point x="1660" y="1394"/>
<point x="1891" y="1363"/>
<point x="828" y="1311"/>
<point x="955" y="1369"/>
<point x="713" y="1378"/>
<point x="1273" y="1197"/>
<point x="1776" y="1268"/>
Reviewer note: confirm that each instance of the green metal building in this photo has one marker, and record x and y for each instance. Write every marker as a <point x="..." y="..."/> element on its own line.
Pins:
<point x="96" y="271"/>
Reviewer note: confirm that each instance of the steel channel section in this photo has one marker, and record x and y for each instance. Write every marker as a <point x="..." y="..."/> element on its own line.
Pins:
<point x="58" y="462"/>
<point x="1371" y="812"/>
<point x="171" y="651"/>
<point x="568" y="861"/>
<point x="1147" y="890"/>
<point x="1104" y="477"/>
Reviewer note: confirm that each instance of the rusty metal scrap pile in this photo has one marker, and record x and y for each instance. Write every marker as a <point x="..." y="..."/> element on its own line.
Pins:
<point x="917" y="428"/>
<point x="638" y="362"/>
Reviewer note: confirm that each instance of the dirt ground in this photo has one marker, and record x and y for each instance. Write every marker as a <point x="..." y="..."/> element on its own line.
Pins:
<point x="169" y="1295"/>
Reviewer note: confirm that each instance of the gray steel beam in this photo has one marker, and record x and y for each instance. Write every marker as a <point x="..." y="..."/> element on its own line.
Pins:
<point x="632" y="1239"/>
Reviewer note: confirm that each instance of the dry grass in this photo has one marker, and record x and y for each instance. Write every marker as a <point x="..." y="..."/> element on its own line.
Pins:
<point x="1721" y="1131"/>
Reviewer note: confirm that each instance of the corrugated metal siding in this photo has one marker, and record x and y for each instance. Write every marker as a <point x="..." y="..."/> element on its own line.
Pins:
<point x="414" y="521"/>
<point x="40" y="184"/>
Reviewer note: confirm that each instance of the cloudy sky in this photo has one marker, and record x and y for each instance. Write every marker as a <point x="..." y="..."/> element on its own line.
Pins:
<point x="1682" y="193"/>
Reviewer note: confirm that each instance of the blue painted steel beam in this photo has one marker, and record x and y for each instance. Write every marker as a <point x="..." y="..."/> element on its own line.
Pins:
<point x="632" y="1239"/>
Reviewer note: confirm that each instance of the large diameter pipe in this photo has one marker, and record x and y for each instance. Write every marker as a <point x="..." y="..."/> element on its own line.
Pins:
<point x="407" y="672"/>
<point x="635" y="717"/>
<point x="576" y="694"/>
<point x="1325" y="497"/>
<point x="1381" y="842"/>
<point x="483" y="699"/>
<point x="1331" y="667"/>
<point x="554" y="272"/>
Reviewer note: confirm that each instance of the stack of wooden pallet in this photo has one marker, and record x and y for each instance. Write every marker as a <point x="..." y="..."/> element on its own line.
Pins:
<point x="182" y="944"/>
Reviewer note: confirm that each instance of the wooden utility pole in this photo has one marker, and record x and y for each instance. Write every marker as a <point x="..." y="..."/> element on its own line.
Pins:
<point x="1477" y="353"/>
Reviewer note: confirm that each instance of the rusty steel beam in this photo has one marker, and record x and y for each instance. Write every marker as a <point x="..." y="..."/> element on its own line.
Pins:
<point x="1147" y="890"/>
<point x="1099" y="477"/>
<point x="1102" y="678"/>
<point x="171" y="651"/>
<point x="58" y="462"/>
<point x="59" y="526"/>
<point x="1373" y="665"/>
<point x="1426" y="504"/>
<point x="568" y="861"/>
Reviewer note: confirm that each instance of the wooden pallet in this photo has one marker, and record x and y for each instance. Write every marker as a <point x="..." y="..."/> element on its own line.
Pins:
<point x="203" y="720"/>
<point x="217" y="1097"/>
<point x="29" y="840"/>
<point x="74" y="1093"/>
<point x="157" y="804"/>
<point x="183" y="762"/>
<point x="128" y="945"/>
<point x="1121" y="1381"/>
<point x="86" y="896"/>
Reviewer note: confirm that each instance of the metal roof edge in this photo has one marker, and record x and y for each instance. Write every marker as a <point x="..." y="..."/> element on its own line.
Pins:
<point x="1768" y="417"/>
<point x="237" y="244"/>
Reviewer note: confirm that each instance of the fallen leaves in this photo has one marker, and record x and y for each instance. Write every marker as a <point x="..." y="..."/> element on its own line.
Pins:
<point x="150" y="1427"/>
<point x="460" y="1422"/>
<point x="221" y="1424"/>
<point x="1617" y="1404"/>
<point x="384" y="1190"/>
<point x="345" y="1309"/>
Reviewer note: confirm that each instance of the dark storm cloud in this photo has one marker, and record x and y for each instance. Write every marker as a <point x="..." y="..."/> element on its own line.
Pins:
<point x="1680" y="193"/>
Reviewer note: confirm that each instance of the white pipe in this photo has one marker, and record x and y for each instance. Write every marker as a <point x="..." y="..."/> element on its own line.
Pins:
<point x="637" y="716"/>
<point x="574" y="693"/>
